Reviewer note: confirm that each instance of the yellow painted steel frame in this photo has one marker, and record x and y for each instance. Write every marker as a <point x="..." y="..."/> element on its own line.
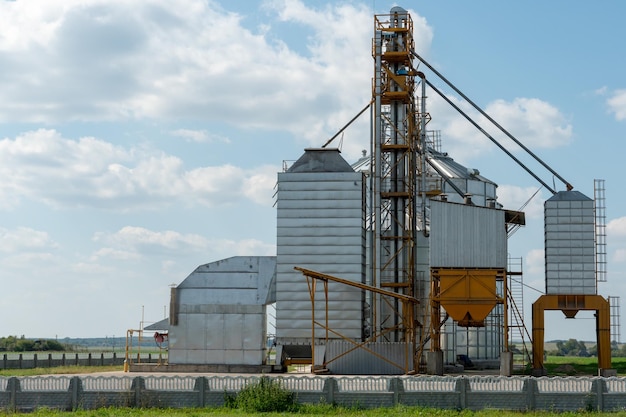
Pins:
<point x="570" y="305"/>
<point x="468" y="295"/>
<point x="408" y="323"/>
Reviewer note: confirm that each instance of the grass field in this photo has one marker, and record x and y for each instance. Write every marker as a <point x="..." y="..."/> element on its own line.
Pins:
<point x="58" y="370"/>
<point x="572" y="365"/>
<point x="321" y="410"/>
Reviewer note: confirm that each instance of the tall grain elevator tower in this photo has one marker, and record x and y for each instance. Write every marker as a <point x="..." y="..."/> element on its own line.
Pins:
<point x="394" y="174"/>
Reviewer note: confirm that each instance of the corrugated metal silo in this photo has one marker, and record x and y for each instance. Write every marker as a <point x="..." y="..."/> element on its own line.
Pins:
<point x="320" y="226"/>
<point x="570" y="244"/>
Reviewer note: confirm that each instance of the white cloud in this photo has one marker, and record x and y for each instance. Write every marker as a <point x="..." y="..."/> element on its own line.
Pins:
<point x="257" y="184"/>
<point x="619" y="255"/>
<point x="93" y="60"/>
<point x="134" y="243"/>
<point x="24" y="239"/>
<point x="46" y="167"/>
<point x="117" y="254"/>
<point x="134" y="238"/>
<point x="535" y="261"/>
<point x="199" y="136"/>
<point x="617" y="104"/>
<point x="601" y="91"/>
<point x="616" y="237"/>
<point x="521" y="198"/>
<point x="535" y="123"/>
<point x="617" y="227"/>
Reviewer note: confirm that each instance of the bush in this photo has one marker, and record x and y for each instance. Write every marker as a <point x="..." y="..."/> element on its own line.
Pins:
<point x="266" y="395"/>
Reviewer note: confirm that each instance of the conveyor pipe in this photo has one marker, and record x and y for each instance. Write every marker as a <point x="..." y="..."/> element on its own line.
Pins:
<point x="520" y="144"/>
<point x="457" y="108"/>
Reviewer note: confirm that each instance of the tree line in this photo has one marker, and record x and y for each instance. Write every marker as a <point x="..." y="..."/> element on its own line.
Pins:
<point x="15" y="344"/>
<point x="573" y="347"/>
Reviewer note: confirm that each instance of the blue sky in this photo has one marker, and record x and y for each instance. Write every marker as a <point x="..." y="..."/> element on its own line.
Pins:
<point x="140" y="139"/>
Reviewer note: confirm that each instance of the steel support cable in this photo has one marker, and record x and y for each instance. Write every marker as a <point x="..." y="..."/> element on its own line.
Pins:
<point x="348" y="124"/>
<point x="528" y="286"/>
<point x="515" y="229"/>
<point x="520" y="144"/>
<point x="502" y="148"/>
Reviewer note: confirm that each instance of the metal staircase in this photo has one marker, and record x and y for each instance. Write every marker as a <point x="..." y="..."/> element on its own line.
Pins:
<point x="518" y="334"/>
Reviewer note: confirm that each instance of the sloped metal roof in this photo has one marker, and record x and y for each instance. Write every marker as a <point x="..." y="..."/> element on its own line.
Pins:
<point x="441" y="160"/>
<point x="453" y="169"/>
<point x="569" y="196"/>
<point x="321" y="160"/>
<point x="163" y="325"/>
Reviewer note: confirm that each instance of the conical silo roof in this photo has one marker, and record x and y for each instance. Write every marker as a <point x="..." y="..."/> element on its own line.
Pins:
<point x="321" y="160"/>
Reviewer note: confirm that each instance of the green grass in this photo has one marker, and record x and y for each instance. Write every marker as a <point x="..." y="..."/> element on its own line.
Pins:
<point x="573" y="365"/>
<point x="266" y="395"/>
<point x="59" y="370"/>
<point x="321" y="410"/>
<point x="579" y="366"/>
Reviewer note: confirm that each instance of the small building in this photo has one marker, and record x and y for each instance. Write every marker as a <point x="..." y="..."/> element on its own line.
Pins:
<point x="218" y="316"/>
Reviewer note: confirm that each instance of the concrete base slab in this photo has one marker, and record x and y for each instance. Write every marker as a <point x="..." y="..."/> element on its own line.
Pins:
<point x="606" y="373"/>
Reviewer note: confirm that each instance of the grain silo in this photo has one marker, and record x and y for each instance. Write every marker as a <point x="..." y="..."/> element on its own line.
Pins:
<point x="320" y="225"/>
<point x="570" y="273"/>
<point x="570" y="244"/>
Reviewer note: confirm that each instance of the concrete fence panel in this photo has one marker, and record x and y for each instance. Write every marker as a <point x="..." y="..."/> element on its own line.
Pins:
<point x="454" y="392"/>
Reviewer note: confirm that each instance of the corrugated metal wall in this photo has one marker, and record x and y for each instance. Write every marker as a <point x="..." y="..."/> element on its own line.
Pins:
<point x="466" y="236"/>
<point x="363" y="362"/>
<point x="221" y="313"/>
<point x="480" y="191"/>
<point x="570" y="244"/>
<point x="320" y="226"/>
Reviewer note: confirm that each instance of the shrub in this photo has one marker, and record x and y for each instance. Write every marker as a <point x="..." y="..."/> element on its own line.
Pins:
<point x="266" y="395"/>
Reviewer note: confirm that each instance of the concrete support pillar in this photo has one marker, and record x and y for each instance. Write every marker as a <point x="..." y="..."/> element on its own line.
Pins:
<point x="506" y="363"/>
<point x="434" y="362"/>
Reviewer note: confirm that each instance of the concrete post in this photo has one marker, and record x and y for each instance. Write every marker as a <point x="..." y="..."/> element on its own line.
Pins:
<point x="76" y="387"/>
<point x="434" y="362"/>
<point x="397" y="387"/>
<point x="531" y="390"/>
<point x="462" y="386"/>
<point x="599" y="387"/>
<point x="506" y="363"/>
<point x="201" y="386"/>
<point x="330" y="387"/>
<point x="14" y="388"/>
<point x="138" y="386"/>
